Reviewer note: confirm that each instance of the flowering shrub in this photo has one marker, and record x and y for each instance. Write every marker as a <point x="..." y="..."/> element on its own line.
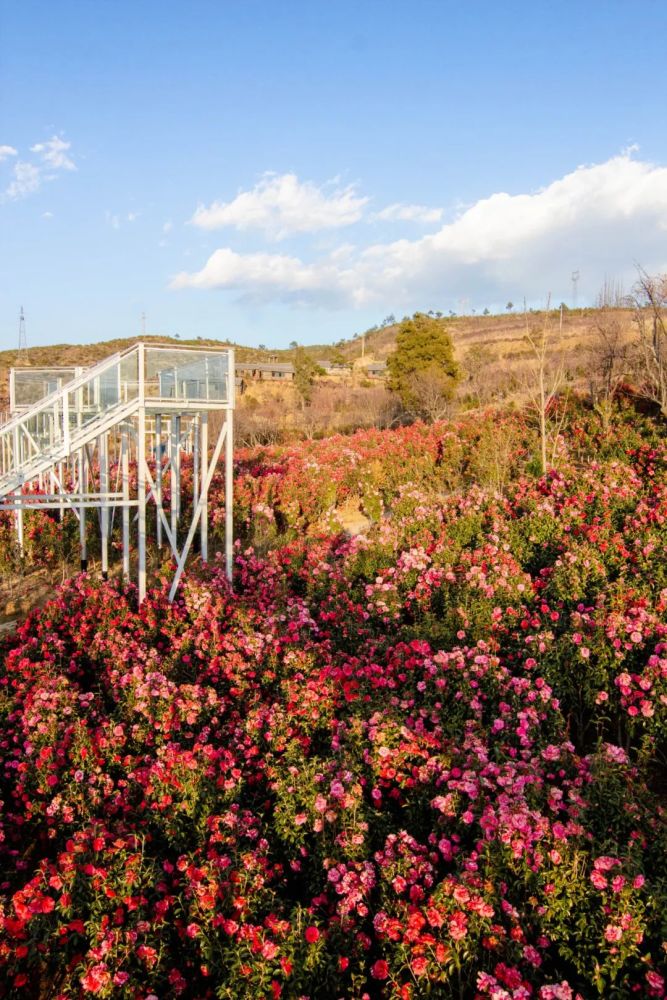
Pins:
<point x="421" y="762"/>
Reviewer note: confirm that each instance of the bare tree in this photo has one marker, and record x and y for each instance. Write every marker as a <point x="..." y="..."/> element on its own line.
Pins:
<point x="609" y="365"/>
<point x="649" y="300"/>
<point x="546" y="378"/>
<point x="481" y="365"/>
<point x="431" y="394"/>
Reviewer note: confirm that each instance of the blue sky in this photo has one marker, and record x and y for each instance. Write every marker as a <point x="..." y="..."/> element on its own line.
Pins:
<point x="277" y="171"/>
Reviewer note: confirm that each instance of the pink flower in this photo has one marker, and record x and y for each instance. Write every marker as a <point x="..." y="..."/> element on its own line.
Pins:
<point x="458" y="926"/>
<point x="598" y="880"/>
<point x="613" y="933"/>
<point x="419" y="965"/>
<point x="269" y="949"/>
<point x="656" y="983"/>
<point x="96" y="979"/>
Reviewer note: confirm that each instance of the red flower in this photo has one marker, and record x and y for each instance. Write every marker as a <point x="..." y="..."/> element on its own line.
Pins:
<point x="380" y="969"/>
<point x="312" y="935"/>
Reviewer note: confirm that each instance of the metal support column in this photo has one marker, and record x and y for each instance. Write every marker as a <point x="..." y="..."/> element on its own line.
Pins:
<point x="141" y="478"/>
<point x="141" y="499"/>
<point x="103" y="453"/>
<point x="229" y="494"/>
<point x="83" y="488"/>
<point x="229" y="468"/>
<point x="19" y="521"/>
<point x="175" y="473"/>
<point x="125" y="473"/>
<point x="195" y="458"/>
<point x="158" y="475"/>
<point x="203" y="457"/>
<point x="61" y="501"/>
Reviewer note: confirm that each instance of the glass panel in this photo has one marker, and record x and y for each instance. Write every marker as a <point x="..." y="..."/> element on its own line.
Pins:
<point x="101" y="392"/>
<point x="32" y="385"/>
<point x="186" y="375"/>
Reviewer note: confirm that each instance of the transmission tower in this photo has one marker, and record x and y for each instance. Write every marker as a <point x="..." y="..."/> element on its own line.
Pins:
<point x="575" y="282"/>
<point x="23" y="340"/>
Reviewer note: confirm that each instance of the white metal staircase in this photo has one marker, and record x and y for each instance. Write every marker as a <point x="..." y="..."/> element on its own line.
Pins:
<point x="56" y="427"/>
<point x="142" y="404"/>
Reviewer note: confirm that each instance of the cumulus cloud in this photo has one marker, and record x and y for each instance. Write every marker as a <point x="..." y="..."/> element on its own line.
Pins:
<point x="282" y="205"/>
<point x="54" y="153"/>
<point x="6" y="152"/>
<point x="409" y="213"/>
<point x="267" y="276"/>
<point x="599" y="218"/>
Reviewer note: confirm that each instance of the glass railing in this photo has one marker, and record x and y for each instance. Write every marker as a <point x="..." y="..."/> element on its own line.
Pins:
<point x="101" y="390"/>
<point x="28" y="386"/>
<point x="187" y="375"/>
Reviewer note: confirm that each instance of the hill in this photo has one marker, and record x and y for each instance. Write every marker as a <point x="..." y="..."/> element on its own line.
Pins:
<point x="502" y="337"/>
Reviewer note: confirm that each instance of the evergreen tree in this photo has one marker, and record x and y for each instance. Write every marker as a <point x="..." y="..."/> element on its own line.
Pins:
<point x="423" y="355"/>
<point x="305" y="372"/>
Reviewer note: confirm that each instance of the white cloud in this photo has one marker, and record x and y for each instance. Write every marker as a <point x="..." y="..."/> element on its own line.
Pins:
<point x="54" y="153"/>
<point x="599" y="219"/>
<point x="27" y="179"/>
<point x="47" y="215"/>
<point x="112" y="219"/>
<point x="28" y="176"/>
<point x="167" y="227"/>
<point x="132" y="216"/>
<point x="282" y="205"/>
<point x="409" y="213"/>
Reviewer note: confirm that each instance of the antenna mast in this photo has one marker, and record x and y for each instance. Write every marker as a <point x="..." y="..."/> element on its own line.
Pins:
<point x="23" y="340"/>
<point x="575" y="282"/>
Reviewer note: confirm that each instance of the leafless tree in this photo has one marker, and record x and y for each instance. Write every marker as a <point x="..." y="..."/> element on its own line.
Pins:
<point x="609" y="365"/>
<point x="649" y="300"/>
<point x="481" y="366"/>
<point x="546" y="378"/>
<point x="432" y="395"/>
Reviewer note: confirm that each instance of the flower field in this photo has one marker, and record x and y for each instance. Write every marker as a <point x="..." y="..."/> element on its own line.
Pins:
<point x="427" y="761"/>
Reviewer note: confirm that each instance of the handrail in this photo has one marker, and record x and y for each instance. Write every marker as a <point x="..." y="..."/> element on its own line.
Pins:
<point x="47" y="401"/>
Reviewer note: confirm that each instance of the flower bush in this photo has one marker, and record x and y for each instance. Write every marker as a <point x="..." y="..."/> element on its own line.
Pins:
<point x="426" y="761"/>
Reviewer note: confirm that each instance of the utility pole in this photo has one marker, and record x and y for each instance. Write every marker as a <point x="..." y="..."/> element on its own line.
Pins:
<point x="23" y="340"/>
<point x="575" y="282"/>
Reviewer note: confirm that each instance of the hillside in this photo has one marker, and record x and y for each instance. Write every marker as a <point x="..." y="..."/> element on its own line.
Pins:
<point x="502" y="337"/>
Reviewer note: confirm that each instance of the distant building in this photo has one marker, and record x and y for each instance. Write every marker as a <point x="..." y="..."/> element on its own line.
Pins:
<point x="378" y="369"/>
<point x="330" y="368"/>
<point x="262" y="372"/>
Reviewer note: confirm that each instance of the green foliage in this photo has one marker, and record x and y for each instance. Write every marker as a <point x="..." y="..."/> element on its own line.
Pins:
<point x="423" y="349"/>
<point x="305" y="372"/>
